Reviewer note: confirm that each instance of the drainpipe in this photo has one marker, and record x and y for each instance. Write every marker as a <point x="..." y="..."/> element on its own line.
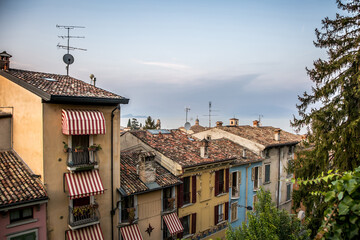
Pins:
<point x="112" y="212"/>
<point x="246" y="191"/>
<point x="278" y="187"/>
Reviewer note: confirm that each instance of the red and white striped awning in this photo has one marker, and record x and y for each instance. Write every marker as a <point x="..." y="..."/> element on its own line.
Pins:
<point x="82" y="122"/>
<point x="83" y="184"/>
<point x="131" y="232"/>
<point x="88" y="233"/>
<point x="173" y="223"/>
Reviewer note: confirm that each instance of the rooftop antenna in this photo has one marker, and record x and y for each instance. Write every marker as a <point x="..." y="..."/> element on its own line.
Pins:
<point x="260" y="117"/>
<point x="68" y="58"/>
<point x="210" y="115"/>
<point x="187" y="124"/>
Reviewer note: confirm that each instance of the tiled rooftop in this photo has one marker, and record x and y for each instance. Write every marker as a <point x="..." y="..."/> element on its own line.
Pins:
<point x="61" y="85"/>
<point x="262" y="135"/>
<point x="130" y="181"/>
<point x="16" y="183"/>
<point x="181" y="148"/>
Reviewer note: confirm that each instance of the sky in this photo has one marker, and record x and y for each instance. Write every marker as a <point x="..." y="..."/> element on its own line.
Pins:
<point x="247" y="57"/>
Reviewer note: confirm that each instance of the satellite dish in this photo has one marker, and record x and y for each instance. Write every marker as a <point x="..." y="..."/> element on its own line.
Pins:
<point x="68" y="58"/>
<point x="187" y="125"/>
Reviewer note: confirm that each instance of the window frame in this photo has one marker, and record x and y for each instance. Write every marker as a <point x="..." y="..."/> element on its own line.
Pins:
<point x="235" y="212"/>
<point x="21" y="213"/>
<point x="256" y="177"/>
<point x="19" y="234"/>
<point x="288" y="192"/>
<point x="186" y="194"/>
<point x="235" y="187"/>
<point x="134" y="205"/>
<point x="265" y="175"/>
<point x="188" y="225"/>
<point x="221" y="214"/>
<point x="221" y="181"/>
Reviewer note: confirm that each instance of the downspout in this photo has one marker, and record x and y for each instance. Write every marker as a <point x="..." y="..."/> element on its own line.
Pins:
<point x="278" y="187"/>
<point x="246" y="192"/>
<point x="112" y="212"/>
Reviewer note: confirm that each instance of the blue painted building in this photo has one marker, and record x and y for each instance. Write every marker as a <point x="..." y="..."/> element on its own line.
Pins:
<point x="245" y="179"/>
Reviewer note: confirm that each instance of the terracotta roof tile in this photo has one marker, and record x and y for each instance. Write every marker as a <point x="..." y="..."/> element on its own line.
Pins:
<point x="62" y="86"/>
<point x="181" y="148"/>
<point x="130" y="181"/>
<point x="16" y="183"/>
<point x="262" y="135"/>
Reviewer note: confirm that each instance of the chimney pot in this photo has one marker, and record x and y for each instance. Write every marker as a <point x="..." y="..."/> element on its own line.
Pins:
<point x="234" y="122"/>
<point x="204" y="148"/>
<point x="255" y="123"/>
<point x="219" y="123"/>
<point x="147" y="170"/>
<point x="4" y="60"/>
<point x="277" y="134"/>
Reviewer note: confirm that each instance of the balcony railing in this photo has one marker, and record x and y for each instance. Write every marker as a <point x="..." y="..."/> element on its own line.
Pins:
<point x="81" y="158"/>
<point x="83" y="215"/>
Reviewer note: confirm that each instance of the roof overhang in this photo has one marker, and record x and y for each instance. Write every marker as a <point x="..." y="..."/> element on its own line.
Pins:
<point x="282" y="144"/>
<point x="24" y="204"/>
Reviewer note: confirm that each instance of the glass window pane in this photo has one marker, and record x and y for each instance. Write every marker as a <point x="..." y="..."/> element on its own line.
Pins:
<point x="14" y="215"/>
<point x="267" y="173"/>
<point x="27" y="213"/>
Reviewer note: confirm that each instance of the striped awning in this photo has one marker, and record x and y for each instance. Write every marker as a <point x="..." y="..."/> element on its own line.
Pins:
<point x="131" y="232"/>
<point x="173" y="223"/>
<point x="83" y="184"/>
<point x="82" y="122"/>
<point x="88" y="233"/>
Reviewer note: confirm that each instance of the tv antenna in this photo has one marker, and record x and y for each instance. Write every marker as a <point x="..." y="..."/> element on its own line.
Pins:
<point x="210" y="113"/>
<point x="260" y="117"/>
<point x="187" y="124"/>
<point x="68" y="58"/>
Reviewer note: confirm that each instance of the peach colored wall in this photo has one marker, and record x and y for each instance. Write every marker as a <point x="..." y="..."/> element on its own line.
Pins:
<point x="5" y="133"/>
<point x="27" y="123"/>
<point x="55" y="166"/>
<point x="40" y="224"/>
<point x="149" y="212"/>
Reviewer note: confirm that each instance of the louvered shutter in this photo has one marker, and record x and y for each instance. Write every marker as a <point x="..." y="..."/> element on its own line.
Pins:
<point x="253" y="174"/>
<point x="239" y="178"/>
<point x="226" y="210"/>
<point x="216" y="210"/>
<point x="193" y="198"/>
<point x="216" y="183"/>
<point x="180" y="194"/>
<point x="193" y="223"/>
<point x="227" y="180"/>
<point x="260" y="172"/>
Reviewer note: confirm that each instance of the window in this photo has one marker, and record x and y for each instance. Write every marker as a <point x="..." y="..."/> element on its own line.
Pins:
<point x="127" y="209"/>
<point x="185" y="221"/>
<point x="235" y="184"/>
<point x="166" y="233"/>
<point x="221" y="212"/>
<point x="168" y="199"/>
<point x="267" y="173"/>
<point x="291" y="150"/>
<point x="21" y="214"/>
<point x="221" y="186"/>
<point x="26" y="235"/>
<point x="266" y="153"/>
<point x="256" y="176"/>
<point x="234" y="210"/>
<point x="288" y="192"/>
<point x="186" y="193"/>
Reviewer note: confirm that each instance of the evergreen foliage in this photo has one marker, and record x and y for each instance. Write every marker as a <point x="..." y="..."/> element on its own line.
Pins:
<point x="331" y="112"/>
<point x="267" y="222"/>
<point x="149" y="123"/>
<point x="135" y="124"/>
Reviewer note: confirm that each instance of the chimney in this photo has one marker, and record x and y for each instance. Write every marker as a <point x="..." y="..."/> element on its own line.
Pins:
<point x="277" y="134"/>
<point x="4" y="60"/>
<point x="255" y="123"/>
<point x="234" y="122"/>
<point x="147" y="170"/>
<point x="244" y="153"/>
<point x="158" y="124"/>
<point x="204" y="148"/>
<point x="219" y="123"/>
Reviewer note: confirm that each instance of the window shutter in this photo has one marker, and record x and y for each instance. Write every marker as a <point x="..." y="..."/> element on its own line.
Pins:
<point x="216" y="183"/>
<point x="180" y="194"/>
<point x="230" y="179"/>
<point x="216" y="210"/>
<point x="227" y="180"/>
<point x="253" y="174"/>
<point x="260" y="172"/>
<point x="226" y="210"/>
<point x="193" y="223"/>
<point x="193" y="197"/>
<point x="239" y="178"/>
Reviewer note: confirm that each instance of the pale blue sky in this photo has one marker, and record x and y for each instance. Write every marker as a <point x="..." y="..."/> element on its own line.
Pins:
<point x="247" y="57"/>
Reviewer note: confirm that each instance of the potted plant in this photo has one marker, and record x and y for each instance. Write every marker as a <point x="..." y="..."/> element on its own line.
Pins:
<point x="131" y="212"/>
<point x="94" y="148"/>
<point x="171" y="203"/>
<point x="66" y="147"/>
<point x="79" y="149"/>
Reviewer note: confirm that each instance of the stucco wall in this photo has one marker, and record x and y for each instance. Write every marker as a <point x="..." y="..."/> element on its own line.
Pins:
<point x="55" y="167"/>
<point x="5" y="133"/>
<point x="39" y="215"/>
<point x="27" y="123"/>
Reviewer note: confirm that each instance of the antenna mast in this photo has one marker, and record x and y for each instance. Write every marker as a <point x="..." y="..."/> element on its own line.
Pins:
<point x="210" y="115"/>
<point x="68" y="58"/>
<point x="187" y="110"/>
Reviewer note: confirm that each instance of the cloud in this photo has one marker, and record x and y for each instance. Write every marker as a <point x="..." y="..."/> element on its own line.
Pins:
<point x="174" y="66"/>
<point x="133" y="116"/>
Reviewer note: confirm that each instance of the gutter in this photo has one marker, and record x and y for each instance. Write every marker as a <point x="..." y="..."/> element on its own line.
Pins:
<point x="205" y="163"/>
<point x="149" y="190"/>
<point x="24" y="204"/>
<point x="282" y="144"/>
<point x="86" y="100"/>
<point x="278" y="187"/>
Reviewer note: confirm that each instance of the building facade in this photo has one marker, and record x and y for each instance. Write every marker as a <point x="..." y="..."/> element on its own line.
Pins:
<point x="64" y="130"/>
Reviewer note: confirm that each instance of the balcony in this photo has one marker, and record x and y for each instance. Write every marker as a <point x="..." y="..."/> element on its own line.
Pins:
<point x="83" y="216"/>
<point x="81" y="159"/>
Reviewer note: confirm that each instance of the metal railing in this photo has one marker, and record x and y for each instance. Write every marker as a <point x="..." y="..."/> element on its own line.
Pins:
<point x="83" y="215"/>
<point x="82" y="157"/>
